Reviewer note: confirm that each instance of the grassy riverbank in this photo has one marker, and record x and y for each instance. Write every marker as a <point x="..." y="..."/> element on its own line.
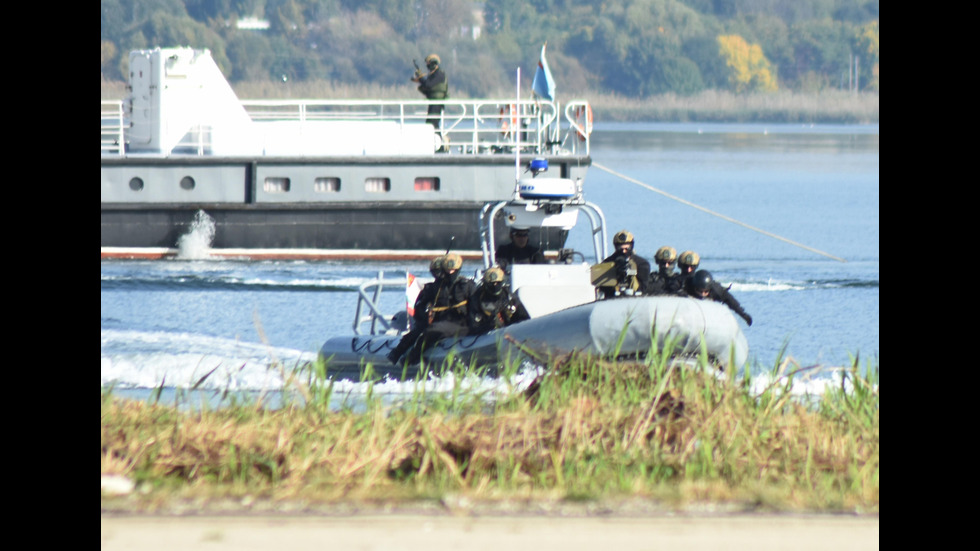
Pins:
<point x="827" y="107"/>
<point x="586" y="433"/>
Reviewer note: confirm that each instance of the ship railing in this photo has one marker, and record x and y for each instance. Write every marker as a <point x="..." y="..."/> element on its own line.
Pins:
<point x="468" y="126"/>
<point x="113" y="138"/>
<point x="482" y="126"/>
<point x="368" y="311"/>
<point x="578" y="113"/>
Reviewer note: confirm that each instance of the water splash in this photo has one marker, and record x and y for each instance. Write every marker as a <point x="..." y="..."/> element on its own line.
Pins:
<point x="196" y="243"/>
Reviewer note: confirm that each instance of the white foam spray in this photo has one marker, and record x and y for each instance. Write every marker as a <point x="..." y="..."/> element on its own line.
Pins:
<point x="196" y="243"/>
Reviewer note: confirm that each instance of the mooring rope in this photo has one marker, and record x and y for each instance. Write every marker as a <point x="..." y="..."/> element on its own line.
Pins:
<point x="713" y="213"/>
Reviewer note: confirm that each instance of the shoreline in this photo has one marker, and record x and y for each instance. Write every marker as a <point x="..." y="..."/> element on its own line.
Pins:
<point x="708" y="106"/>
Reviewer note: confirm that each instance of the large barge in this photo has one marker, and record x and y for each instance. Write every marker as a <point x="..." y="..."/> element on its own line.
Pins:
<point x="307" y="178"/>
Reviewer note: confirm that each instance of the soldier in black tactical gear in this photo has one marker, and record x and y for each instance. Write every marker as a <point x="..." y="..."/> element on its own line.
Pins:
<point x="450" y="308"/>
<point x="664" y="281"/>
<point x="703" y="286"/>
<point x="632" y="270"/>
<point x="423" y="311"/>
<point x="492" y="306"/>
<point x="434" y="85"/>
<point x="688" y="262"/>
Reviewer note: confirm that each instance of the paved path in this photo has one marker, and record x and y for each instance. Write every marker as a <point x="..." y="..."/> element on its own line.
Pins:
<point x="409" y="532"/>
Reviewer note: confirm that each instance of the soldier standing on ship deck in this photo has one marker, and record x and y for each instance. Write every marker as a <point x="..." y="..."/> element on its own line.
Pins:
<point x="434" y="86"/>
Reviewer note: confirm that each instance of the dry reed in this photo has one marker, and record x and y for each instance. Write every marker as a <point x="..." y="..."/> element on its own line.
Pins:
<point x="587" y="430"/>
<point x="828" y="106"/>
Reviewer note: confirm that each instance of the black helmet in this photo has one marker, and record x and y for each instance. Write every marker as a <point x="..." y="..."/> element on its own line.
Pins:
<point x="689" y="258"/>
<point x="701" y="282"/>
<point x="435" y="267"/>
<point x="666" y="254"/>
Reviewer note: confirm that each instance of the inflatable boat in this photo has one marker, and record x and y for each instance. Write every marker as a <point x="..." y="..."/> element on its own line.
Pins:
<point x="561" y="299"/>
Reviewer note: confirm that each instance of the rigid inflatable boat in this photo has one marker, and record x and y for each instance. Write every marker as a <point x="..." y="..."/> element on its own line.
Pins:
<point x="566" y="313"/>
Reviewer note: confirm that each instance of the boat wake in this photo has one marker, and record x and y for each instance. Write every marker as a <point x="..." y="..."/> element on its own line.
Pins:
<point x="233" y="276"/>
<point x="150" y="359"/>
<point x="788" y="285"/>
<point x="227" y="281"/>
<point x="137" y="364"/>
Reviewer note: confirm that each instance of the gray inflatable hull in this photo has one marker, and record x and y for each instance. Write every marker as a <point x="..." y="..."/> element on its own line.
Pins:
<point x="596" y="328"/>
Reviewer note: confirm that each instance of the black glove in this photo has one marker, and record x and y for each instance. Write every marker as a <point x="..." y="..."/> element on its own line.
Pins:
<point x="747" y="318"/>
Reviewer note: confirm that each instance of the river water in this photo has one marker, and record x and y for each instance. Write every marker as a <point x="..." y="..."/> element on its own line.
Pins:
<point x="810" y="283"/>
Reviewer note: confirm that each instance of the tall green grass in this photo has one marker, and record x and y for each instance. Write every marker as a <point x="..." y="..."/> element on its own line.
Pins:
<point x="674" y="433"/>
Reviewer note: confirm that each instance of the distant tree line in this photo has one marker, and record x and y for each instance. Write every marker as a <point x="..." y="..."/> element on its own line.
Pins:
<point x="634" y="48"/>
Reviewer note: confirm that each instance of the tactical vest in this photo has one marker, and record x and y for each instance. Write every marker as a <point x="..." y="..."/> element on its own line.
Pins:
<point x="439" y="90"/>
<point x="450" y="302"/>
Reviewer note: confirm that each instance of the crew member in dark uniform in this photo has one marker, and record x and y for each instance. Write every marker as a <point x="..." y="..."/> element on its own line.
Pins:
<point x="664" y="280"/>
<point x="423" y="311"/>
<point x="703" y="286"/>
<point x="434" y="86"/>
<point x="518" y="251"/>
<point x="450" y="308"/>
<point x="632" y="270"/>
<point x="688" y="262"/>
<point x="492" y="306"/>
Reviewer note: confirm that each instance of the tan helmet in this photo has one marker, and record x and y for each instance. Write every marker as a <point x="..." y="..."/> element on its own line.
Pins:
<point x="689" y="258"/>
<point x="666" y="254"/>
<point x="493" y="275"/>
<point x="493" y="281"/>
<point x="452" y="261"/>
<point x="623" y="236"/>
<point x="432" y="59"/>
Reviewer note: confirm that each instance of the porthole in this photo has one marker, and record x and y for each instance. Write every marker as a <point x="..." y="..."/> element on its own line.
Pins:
<point x="377" y="185"/>
<point x="326" y="185"/>
<point x="276" y="185"/>
<point x="427" y="184"/>
<point x="136" y="184"/>
<point x="187" y="183"/>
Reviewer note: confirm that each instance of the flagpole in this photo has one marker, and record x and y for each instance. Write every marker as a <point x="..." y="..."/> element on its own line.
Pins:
<point x="517" y="149"/>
